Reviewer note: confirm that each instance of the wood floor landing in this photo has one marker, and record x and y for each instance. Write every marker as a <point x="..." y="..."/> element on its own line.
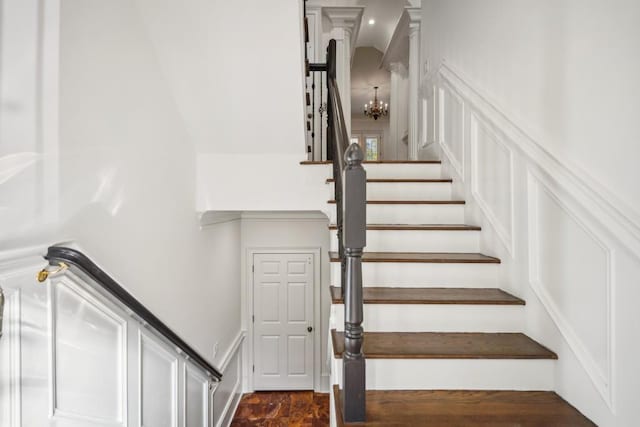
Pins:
<point x="474" y="296"/>
<point x="282" y="409"/>
<point x="446" y="345"/>
<point x="461" y="408"/>
<point x="429" y="257"/>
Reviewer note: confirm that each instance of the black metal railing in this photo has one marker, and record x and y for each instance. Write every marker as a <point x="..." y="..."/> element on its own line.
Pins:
<point x="350" y="196"/>
<point x="79" y="261"/>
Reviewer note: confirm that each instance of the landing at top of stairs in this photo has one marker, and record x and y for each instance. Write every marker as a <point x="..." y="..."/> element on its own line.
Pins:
<point x="391" y="162"/>
<point x="468" y="408"/>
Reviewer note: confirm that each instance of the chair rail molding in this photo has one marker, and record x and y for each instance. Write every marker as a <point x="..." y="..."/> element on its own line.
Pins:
<point x="622" y="220"/>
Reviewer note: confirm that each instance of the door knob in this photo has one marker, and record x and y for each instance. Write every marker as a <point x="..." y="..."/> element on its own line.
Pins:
<point x="309" y="328"/>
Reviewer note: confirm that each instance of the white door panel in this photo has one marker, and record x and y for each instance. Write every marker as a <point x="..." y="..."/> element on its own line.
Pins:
<point x="283" y="312"/>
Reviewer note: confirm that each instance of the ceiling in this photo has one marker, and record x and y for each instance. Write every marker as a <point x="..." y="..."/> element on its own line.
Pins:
<point x="365" y="74"/>
<point x="386" y="14"/>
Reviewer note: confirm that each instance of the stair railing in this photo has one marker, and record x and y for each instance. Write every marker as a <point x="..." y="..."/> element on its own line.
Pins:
<point x="350" y="195"/>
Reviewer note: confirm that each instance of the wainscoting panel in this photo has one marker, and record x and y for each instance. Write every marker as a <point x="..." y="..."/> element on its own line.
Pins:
<point x="571" y="272"/>
<point x="570" y="250"/>
<point x="72" y="357"/>
<point x="195" y="397"/>
<point x="452" y="112"/>
<point x="158" y="384"/>
<point x="492" y="178"/>
<point x="89" y="345"/>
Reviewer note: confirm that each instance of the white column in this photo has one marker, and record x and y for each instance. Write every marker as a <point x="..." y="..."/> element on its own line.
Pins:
<point x="414" y="80"/>
<point x="346" y="25"/>
<point x="397" y="105"/>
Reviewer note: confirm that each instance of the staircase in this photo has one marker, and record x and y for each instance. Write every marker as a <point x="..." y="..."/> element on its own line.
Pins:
<point x="443" y="344"/>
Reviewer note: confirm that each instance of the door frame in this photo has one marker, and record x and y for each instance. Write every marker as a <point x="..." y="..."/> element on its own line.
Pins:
<point x="317" y="326"/>
<point x="362" y="136"/>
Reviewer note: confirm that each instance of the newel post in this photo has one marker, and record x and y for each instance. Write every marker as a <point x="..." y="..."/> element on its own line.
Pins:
<point x="354" y="234"/>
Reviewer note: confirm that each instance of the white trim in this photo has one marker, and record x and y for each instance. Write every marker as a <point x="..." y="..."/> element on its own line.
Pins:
<point x="622" y="220"/>
<point x="507" y="235"/>
<point x="226" y="415"/>
<point x="287" y="216"/>
<point x="248" y="304"/>
<point x="11" y="258"/>
<point x="211" y="218"/>
<point x="230" y="354"/>
<point x="603" y="381"/>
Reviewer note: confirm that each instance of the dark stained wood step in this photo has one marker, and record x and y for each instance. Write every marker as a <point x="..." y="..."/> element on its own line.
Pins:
<point x="446" y="345"/>
<point x="423" y="257"/>
<point x="462" y="296"/>
<point x="376" y="162"/>
<point x="402" y="180"/>
<point x="417" y="227"/>
<point x="410" y="202"/>
<point x="469" y="408"/>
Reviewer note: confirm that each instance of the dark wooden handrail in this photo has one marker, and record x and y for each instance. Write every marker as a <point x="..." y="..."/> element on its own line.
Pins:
<point x="76" y="259"/>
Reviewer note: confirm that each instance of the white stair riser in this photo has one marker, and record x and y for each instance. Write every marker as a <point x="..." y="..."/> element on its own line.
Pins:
<point x="418" y="241"/>
<point x="435" y="318"/>
<point x="451" y="374"/>
<point x="411" y="214"/>
<point x="407" y="191"/>
<point x="418" y="275"/>
<point x="403" y="170"/>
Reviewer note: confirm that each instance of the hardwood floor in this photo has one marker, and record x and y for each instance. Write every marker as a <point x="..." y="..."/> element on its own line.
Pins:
<point x="282" y="409"/>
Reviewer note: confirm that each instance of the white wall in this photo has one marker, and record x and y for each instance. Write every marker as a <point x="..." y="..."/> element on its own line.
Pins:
<point x="238" y="82"/>
<point x="120" y="179"/>
<point x="521" y="124"/>
<point x="567" y="70"/>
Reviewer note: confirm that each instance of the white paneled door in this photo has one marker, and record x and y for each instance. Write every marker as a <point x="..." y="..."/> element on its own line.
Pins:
<point x="283" y="321"/>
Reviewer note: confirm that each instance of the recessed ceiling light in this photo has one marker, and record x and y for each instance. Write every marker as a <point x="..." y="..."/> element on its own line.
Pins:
<point x="372" y="21"/>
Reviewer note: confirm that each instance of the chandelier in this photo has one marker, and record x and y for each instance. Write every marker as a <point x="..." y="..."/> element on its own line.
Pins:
<point x="376" y="108"/>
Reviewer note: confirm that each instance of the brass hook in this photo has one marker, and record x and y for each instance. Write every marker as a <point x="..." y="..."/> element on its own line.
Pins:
<point x="44" y="273"/>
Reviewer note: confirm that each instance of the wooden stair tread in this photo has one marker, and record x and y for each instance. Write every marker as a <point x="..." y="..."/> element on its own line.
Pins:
<point x="410" y="202"/>
<point x="446" y="345"/>
<point x="445" y="408"/>
<point x="418" y="227"/>
<point x="466" y="296"/>
<point x="423" y="257"/>
<point x="402" y="180"/>
<point x="376" y="162"/>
